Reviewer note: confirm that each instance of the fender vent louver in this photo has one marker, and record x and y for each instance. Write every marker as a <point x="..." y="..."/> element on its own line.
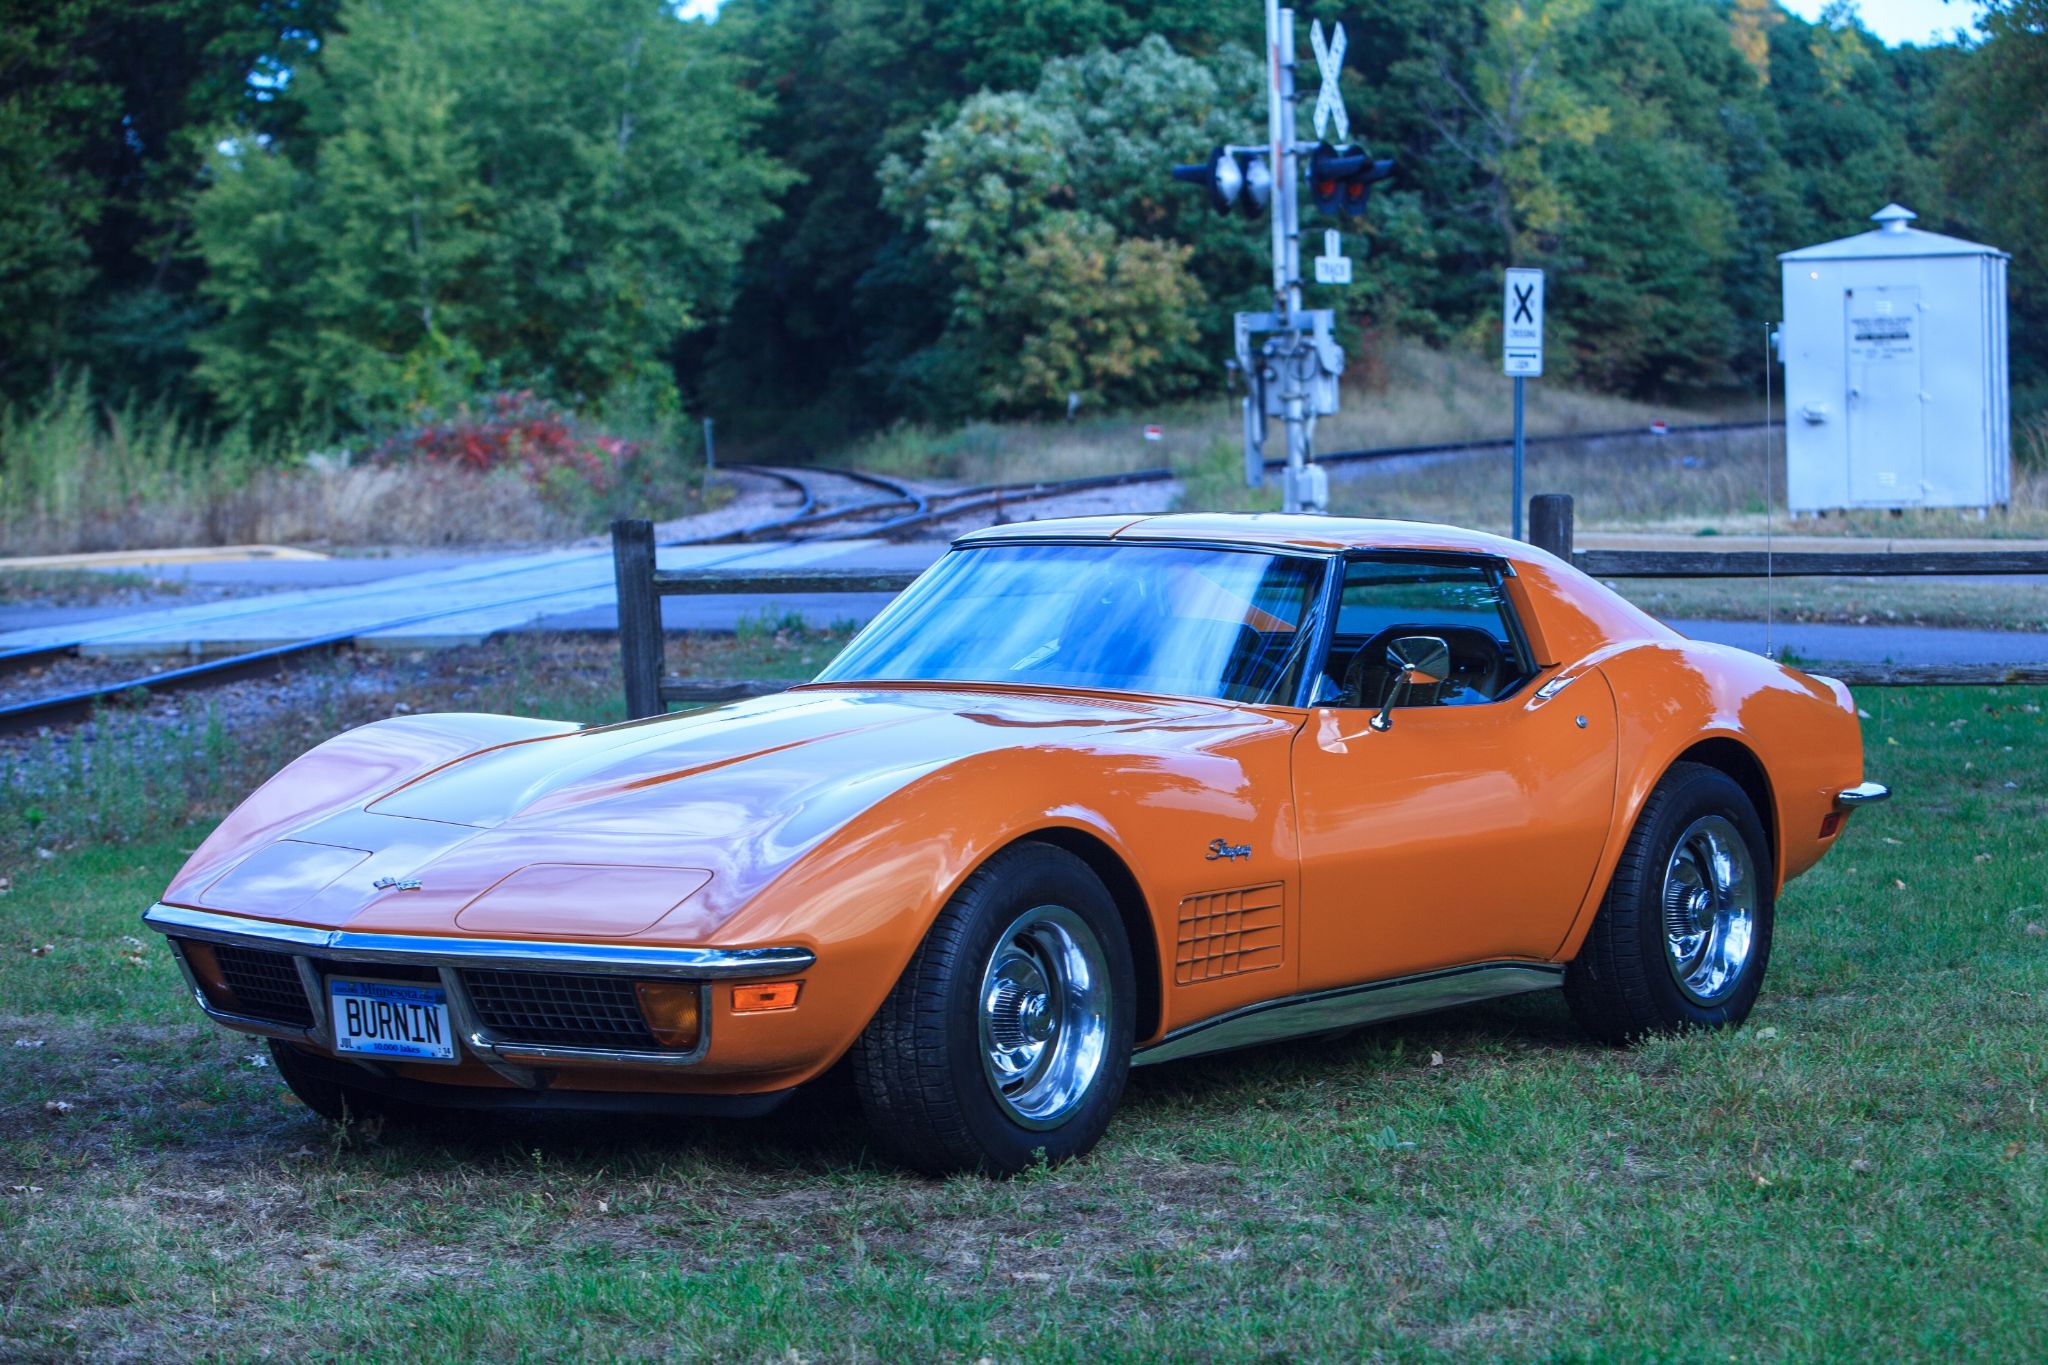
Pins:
<point x="1228" y="933"/>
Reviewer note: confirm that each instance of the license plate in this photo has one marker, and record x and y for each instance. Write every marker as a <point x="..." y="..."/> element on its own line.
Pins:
<point x="391" y="1019"/>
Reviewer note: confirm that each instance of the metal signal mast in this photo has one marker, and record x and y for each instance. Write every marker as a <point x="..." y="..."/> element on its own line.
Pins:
<point x="1289" y="360"/>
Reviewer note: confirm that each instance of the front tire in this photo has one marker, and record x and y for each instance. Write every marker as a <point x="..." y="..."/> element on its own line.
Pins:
<point x="352" y="1108"/>
<point x="1682" y="939"/>
<point x="1008" y="1038"/>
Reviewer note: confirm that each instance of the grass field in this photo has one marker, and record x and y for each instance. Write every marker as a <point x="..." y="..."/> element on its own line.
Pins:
<point x="1861" y="1173"/>
<point x="1960" y="603"/>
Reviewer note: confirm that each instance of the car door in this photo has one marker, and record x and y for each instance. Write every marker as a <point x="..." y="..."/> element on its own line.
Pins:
<point x="1467" y="830"/>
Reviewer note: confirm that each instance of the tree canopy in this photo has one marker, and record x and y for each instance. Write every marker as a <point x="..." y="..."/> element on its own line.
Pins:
<point x="815" y="215"/>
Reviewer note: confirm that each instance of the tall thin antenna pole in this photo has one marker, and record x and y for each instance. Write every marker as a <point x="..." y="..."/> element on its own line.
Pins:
<point x="1770" y="492"/>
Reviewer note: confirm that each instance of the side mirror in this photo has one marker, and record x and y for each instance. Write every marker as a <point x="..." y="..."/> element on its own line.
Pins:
<point x="1412" y="661"/>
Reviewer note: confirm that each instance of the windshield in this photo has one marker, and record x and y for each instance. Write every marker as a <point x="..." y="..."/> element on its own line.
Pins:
<point x="1132" y="618"/>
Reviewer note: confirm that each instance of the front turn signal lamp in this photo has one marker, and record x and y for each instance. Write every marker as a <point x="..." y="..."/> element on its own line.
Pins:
<point x="672" y="1010"/>
<point x="213" y="983"/>
<point x="765" y="997"/>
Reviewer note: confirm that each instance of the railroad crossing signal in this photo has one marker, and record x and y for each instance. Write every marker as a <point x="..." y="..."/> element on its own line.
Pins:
<point x="1288" y="357"/>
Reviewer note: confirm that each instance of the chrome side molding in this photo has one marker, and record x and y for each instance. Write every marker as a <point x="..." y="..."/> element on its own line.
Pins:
<point x="348" y="945"/>
<point x="1863" y="794"/>
<point x="1348" y="1006"/>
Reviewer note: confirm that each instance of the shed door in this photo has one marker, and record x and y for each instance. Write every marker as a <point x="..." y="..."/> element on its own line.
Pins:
<point x="1883" y="346"/>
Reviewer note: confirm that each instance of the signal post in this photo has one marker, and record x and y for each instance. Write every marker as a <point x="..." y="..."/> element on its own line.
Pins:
<point x="1290" y="361"/>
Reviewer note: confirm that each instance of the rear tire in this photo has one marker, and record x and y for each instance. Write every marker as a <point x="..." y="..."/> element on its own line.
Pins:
<point x="1008" y="1038"/>
<point x="1683" y="937"/>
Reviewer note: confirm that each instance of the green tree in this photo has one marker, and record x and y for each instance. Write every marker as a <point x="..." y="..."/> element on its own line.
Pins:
<point x="547" y="196"/>
<point x="1062" y="189"/>
<point x="1996" y="158"/>
<point x="107" y="111"/>
<point x="1502" y="103"/>
<point x="840" y="297"/>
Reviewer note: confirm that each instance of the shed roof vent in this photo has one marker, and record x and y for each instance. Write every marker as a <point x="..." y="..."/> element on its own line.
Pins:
<point x="1893" y="218"/>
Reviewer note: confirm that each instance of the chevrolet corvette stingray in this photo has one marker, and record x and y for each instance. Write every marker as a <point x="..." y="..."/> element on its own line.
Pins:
<point x="1092" y="793"/>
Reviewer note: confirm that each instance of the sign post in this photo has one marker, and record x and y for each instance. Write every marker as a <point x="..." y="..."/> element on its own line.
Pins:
<point x="1521" y="337"/>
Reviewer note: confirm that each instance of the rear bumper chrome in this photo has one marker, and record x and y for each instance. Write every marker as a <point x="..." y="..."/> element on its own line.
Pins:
<point x="310" y="948"/>
<point x="1862" y="794"/>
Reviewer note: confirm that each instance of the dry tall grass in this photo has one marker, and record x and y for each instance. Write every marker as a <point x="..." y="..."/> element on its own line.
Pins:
<point x="1681" y="484"/>
<point x="1708" y="484"/>
<point x="1410" y="395"/>
<point x="75" y="477"/>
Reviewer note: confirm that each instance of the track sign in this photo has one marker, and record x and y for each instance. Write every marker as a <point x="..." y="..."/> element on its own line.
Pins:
<point x="1521" y="330"/>
<point x="1333" y="266"/>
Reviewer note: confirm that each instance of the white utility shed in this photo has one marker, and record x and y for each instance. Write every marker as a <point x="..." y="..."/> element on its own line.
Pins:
<point x="1895" y="371"/>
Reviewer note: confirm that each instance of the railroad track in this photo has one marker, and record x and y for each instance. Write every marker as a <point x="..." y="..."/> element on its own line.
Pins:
<point x="832" y="504"/>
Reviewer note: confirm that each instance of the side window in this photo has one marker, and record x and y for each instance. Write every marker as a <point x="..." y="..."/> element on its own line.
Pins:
<point x="1458" y="601"/>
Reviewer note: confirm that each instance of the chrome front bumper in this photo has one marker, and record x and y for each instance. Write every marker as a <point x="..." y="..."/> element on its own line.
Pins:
<point x="450" y="956"/>
<point x="1862" y="794"/>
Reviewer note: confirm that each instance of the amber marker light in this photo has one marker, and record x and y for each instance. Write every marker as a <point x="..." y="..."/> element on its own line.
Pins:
<point x="765" y="997"/>
<point x="213" y="983"/>
<point x="671" y="1011"/>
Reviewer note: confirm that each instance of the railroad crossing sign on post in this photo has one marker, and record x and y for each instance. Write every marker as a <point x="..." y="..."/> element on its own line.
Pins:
<point x="1521" y="354"/>
<point x="1289" y="358"/>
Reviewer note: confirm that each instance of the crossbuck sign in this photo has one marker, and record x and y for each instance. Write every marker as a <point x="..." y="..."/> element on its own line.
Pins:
<point x="1330" y="61"/>
<point x="1521" y="332"/>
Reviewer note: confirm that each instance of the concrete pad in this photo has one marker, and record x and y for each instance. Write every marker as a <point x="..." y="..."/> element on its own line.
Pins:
<point x="123" y="559"/>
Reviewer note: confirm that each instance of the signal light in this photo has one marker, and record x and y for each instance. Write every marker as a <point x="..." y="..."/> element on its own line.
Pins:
<point x="1220" y="175"/>
<point x="1258" y="187"/>
<point x="1231" y="179"/>
<point x="213" y="982"/>
<point x="671" y="1011"/>
<point x="766" y="997"/>
<point x="1341" y="179"/>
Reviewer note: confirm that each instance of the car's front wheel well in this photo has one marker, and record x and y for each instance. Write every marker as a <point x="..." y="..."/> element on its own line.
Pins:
<point x="1735" y="759"/>
<point x="1123" y="887"/>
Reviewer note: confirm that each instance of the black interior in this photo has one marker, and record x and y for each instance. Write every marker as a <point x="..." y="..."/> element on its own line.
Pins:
<point x="1481" y="668"/>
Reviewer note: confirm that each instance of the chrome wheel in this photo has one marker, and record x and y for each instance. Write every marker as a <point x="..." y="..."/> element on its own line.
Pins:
<point x="1045" y="1012"/>
<point x="1709" y="905"/>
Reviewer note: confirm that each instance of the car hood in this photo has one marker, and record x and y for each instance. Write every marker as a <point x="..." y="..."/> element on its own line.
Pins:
<point x="663" y="827"/>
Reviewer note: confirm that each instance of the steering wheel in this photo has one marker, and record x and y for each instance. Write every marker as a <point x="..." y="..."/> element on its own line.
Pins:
<point x="1477" y="667"/>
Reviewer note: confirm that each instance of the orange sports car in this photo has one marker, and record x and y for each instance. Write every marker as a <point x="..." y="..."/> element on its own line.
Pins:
<point x="1091" y="793"/>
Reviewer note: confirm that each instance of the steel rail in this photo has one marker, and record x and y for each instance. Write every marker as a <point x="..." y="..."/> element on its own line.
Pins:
<point x="899" y="495"/>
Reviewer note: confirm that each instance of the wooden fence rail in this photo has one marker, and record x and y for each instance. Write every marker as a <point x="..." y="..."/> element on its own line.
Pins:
<point x="649" y="692"/>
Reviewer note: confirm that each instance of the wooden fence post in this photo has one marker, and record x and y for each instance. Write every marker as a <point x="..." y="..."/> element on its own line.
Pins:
<point x="639" y="616"/>
<point x="1550" y="524"/>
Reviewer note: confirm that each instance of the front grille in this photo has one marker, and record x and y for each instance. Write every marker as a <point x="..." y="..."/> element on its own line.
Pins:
<point x="266" y="984"/>
<point x="560" y="1008"/>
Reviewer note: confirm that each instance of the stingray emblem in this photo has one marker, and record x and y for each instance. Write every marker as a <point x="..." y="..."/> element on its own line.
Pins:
<point x="397" y="883"/>
<point x="1221" y="849"/>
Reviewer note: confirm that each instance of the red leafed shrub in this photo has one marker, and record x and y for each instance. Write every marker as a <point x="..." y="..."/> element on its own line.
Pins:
<point x="516" y="430"/>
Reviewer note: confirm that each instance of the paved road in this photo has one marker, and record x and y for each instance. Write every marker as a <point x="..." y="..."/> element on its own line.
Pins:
<point x="1876" y="644"/>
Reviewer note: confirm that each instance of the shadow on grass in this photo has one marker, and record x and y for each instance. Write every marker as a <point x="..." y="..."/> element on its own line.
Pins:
<point x="822" y="1131"/>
